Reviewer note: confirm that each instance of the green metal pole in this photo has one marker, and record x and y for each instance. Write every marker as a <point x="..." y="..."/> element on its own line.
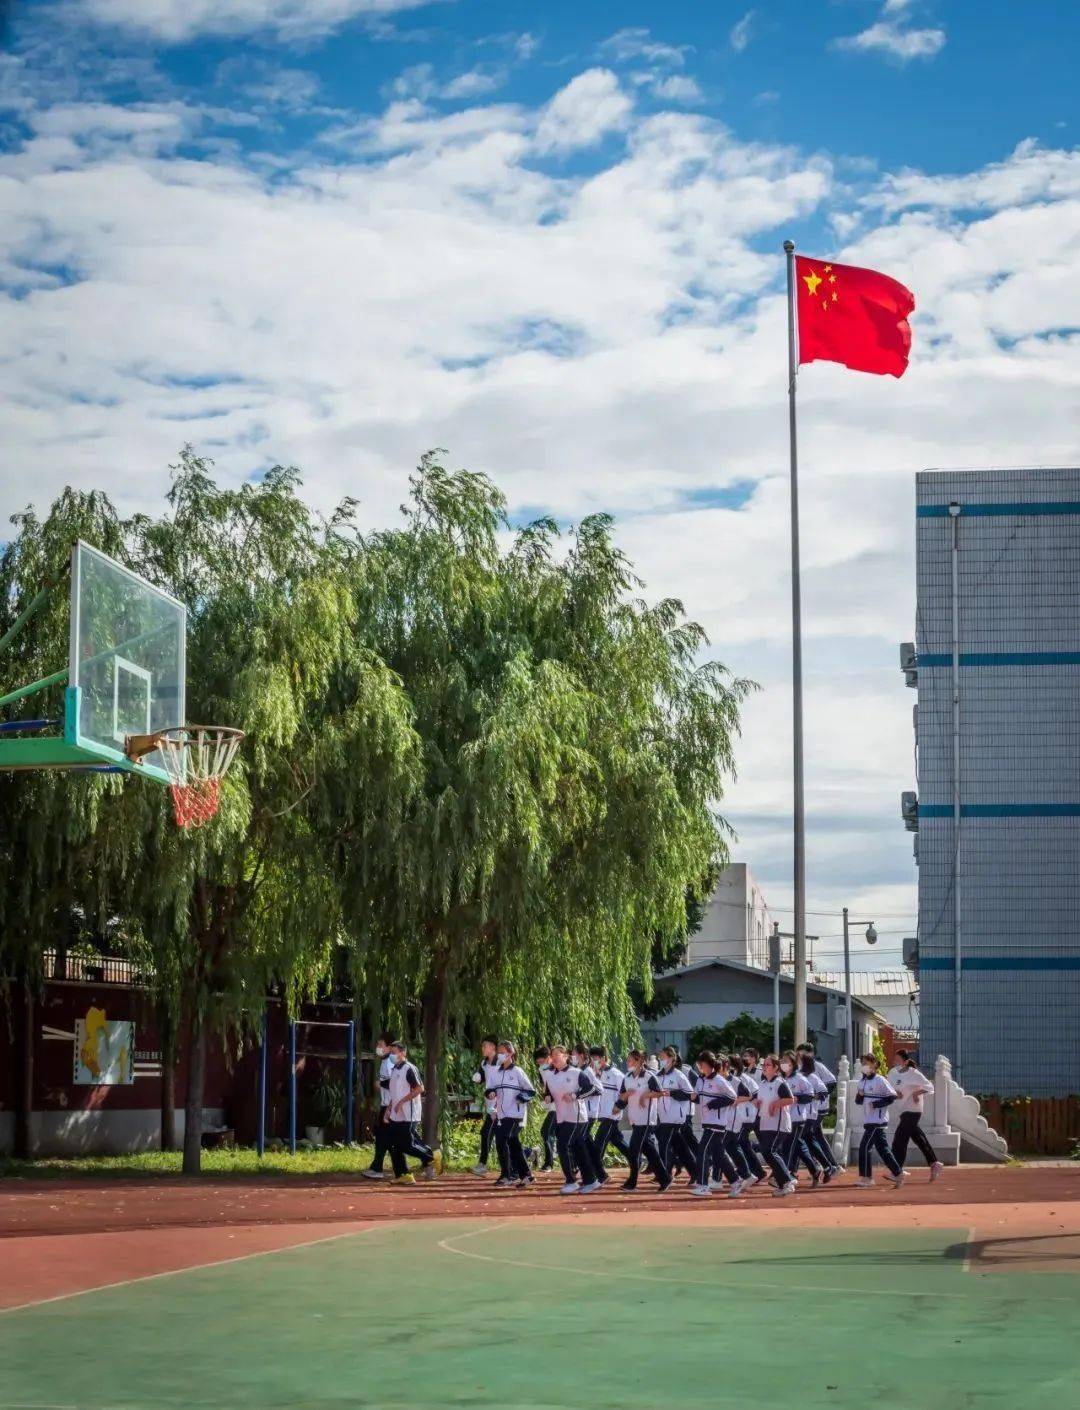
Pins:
<point x="25" y="690"/>
<point x="24" y="616"/>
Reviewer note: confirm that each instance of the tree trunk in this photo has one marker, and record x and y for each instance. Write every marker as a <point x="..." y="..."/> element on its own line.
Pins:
<point x="434" y="1021"/>
<point x="168" y="1079"/>
<point x="24" y="1065"/>
<point x="196" y="1082"/>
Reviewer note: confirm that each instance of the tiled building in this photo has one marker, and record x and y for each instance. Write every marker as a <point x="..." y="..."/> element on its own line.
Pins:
<point x="998" y="750"/>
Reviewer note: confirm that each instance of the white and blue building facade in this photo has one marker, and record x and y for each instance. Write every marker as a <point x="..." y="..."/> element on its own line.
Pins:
<point x="997" y="669"/>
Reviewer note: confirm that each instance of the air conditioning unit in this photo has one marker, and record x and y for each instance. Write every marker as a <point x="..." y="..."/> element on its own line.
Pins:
<point x="909" y="811"/>
<point x="909" y="663"/>
<point x="911" y="953"/>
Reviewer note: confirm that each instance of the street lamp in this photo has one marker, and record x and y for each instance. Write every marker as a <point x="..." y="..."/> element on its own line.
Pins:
<point x="871" y="939"/>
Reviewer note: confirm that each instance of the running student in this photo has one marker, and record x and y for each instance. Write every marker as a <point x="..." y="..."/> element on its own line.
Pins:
<point x="801" y="1113"/>
<point x="746" y="1121"/>
<point x="716" y="1099"/>
<point x="774" y="1102"/>
<point x="638" y="1098"/>
<point x="511" y="1092"/>
<point x="403" y="1115"/>
<point x="382" y="1129"/>
<point x="912" y="1089"/>
<point x="568" y="1088"/>
<point x="484" y="1076"/>
<point x="815" y="1134"/>
<point x="678" y="1145"/>
<point x="542" y="1058"/>
<point x="607" y="1126"/>
<point x="875" y="1095"/>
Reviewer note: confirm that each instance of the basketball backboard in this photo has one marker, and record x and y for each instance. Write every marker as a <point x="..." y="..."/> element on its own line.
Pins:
<point x="127" y="655"/>
<point x="125" y="675"/>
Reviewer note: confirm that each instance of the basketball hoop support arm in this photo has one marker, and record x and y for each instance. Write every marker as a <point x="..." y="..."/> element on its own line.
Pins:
<point x="25" y="690"/>
<point x="35" y="604"/>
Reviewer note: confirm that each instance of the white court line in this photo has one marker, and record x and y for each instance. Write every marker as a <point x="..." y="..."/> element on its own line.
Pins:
<point x="447" y="1245"/>
<point x="192" y="1268"/>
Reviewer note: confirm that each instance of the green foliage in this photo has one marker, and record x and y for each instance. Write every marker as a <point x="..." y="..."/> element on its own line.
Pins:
<point x="477" y="763"/>
<point x="742" y="1031"/>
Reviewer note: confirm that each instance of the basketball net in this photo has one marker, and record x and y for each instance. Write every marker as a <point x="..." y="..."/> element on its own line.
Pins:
<point x="195" y="758"/>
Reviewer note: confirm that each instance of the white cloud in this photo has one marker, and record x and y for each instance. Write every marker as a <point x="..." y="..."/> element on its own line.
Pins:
<point x="740" y="32"/>
<point x="613" y="339"/>
<point x="896" y="40"/>
<point x="676" y="88"/>
<point x="176" y="21"/>
<point x="638" y="44"/>
<point x="586" y="110"/>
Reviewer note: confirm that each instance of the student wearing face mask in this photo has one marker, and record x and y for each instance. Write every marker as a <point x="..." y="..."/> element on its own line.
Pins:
<point x="607" y="1131"/>
<point x="875" y="1095"/>
<point x="486" y="1071"/>
<point x="815" y="1135"/>
<point x="774" y="1102"/>
<point x="716" y="1099"/>
<point x="542" y="1058"/>
<point x="511" y="1091"/>
<point x="403" y="1114"/>
<point x="912" y="1089"/>
<point x="568" y="1087"/>
<point x="801" y="1113"/>
<point x="678" y="1145"/>
<point x="746" y="1120"/>
<point x="638" y="1098"/>
<point x="382" y="1130"/>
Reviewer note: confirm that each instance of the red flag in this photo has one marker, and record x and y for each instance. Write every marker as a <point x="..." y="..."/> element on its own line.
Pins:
<point x="851" y="315"/>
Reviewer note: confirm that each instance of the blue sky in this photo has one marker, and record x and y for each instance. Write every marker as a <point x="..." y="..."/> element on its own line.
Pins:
<point x="338" y="232"/>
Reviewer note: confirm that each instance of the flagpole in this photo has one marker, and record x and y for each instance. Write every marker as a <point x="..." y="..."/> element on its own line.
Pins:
<point x="799" y="977"/>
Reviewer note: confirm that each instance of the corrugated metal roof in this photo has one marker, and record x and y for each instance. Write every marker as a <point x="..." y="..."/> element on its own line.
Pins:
<point x="873" y="983"/>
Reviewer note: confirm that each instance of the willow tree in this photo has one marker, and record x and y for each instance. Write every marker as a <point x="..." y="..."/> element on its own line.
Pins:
<point x="48" y="822"/>
<point x="251" y="899"/>
<point x="572" y="750"/>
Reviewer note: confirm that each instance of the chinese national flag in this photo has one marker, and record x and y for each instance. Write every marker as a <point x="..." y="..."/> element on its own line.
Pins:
<point x="854" y="316"/>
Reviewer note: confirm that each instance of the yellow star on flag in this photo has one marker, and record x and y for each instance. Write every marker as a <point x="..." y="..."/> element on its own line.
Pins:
<point x="811" y="281"/>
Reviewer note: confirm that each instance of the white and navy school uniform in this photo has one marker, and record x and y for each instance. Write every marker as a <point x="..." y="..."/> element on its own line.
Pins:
<point x="547" y="1126"/>
<point x="823" y="1083"/>
<point x="774" y="1128"/>
<point x="607" y="1118"/>
<point x="511" y="1092"/>
<point x="640" y="1110"/>
<point x="802" y="1113"/>
<point x="875" y="1095"/>
<point x="382" y="1129"/>
<point x="485" y="1075"/>
<point x="404" y="1121"/>
<point x="746" y="1117"/>
<point x="569" y="1090"/>
<point x="909" y="1083"/>
<point x="678" y="1145"/>
<point x="716" y="1103"/>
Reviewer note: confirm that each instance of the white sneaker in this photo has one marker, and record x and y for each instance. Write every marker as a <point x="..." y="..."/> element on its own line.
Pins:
<point x="782" y="1190"/>
<point x="700" y="1190"/>
<point x="897" y="1180"/>
<point x="864" y="1183"/>
<point x="936" y="1169"/>
<point x="373" y="1175"/>
<point x="736" y="1190"/>
<point x="750" y="1182"/>
<point x="592" y="1187"/>
<point x="716" y="1186"/>
<point x="791" y="1187"/>
<point x="570" y="1188"/>
<point x="479" y="1169"/>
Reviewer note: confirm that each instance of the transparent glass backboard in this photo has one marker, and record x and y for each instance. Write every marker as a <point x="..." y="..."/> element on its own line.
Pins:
<point x="127" y="653"/>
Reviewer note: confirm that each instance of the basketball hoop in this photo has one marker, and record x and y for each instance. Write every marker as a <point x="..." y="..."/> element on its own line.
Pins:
<point x="195" y="757"/>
